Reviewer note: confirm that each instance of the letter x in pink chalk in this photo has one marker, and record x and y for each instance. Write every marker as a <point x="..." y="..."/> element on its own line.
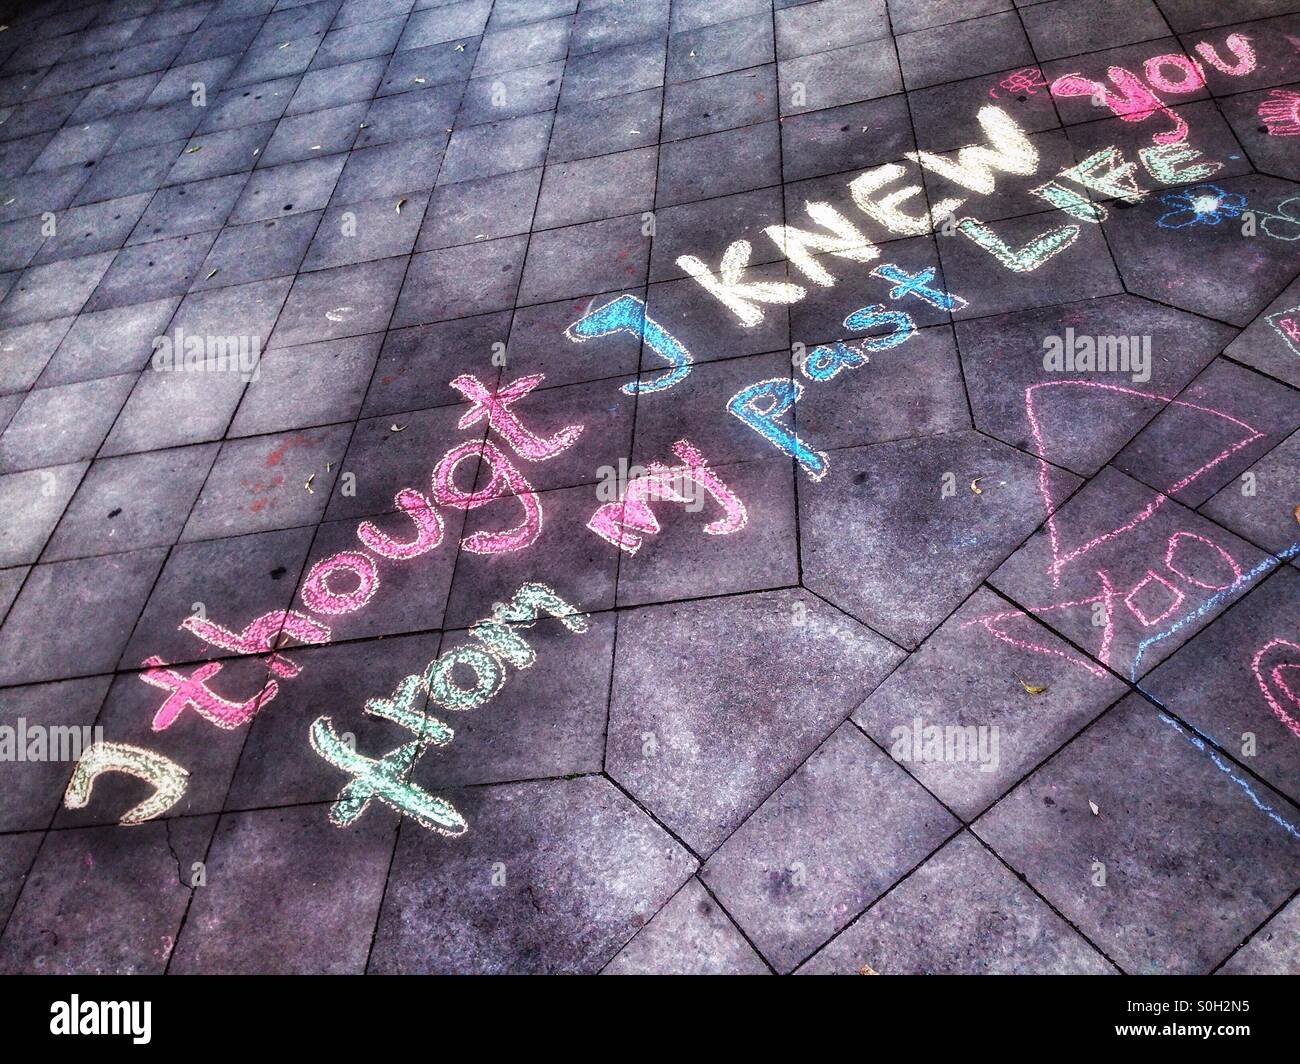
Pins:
<point x="193" y="690"/>
<point x="495" y="406"/>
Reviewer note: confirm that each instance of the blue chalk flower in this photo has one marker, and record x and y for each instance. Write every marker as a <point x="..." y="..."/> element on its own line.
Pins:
<point x="1202" y="205"/>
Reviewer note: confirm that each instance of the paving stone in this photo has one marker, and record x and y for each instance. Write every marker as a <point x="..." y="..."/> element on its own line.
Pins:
<point x="1167" y="569"/>
<point x="962" y="50"/>
<point x="277" y="766"/>
<point x="522" y="46"/>
<point x="613" y="72"/>
<point x="109" y="593"/>
<point x="496" y="148"/>
<point x="151" y="271"/>
<point x="1205" y="266"/>
<point x="345" y="301"/>
<point x="318" y="133"/>
<point x="1257" y="506"/>
<point x="460" y="281"/>
<point x="135" y="501"/>
<point x="592" y="189"/>
<point x="16" y="855"/>
<point x="690" y="935"/>
<point x="390" y="169"/>
<point x="428" y="112"/>
<point x="37" y="499"/>
<point x="62" y="424"/>
<point x="1272" y="949"/>
<point x="285" y="190"/>
<point x="831" y="839"/>
<point x="416" y="365"/>
<point x="724" y="101"/>
<point x="988" y="923"/>
<point x="706" y="228"/>
<point x="548" y="721"/>
<point x="260" y="483"/>
<point x="1229" y="682"/>
<point x="229" y="582"/>
<point x="1082" y="270"/>
<point x="125" y="173"/>
<point x="192" y="208"/>
<point x="1160" y="453"/>
<point x="242" y="910"/>
<point x="580" y="566"/>
<point x="74" y="883"/>
<point x="718" y="48"/>
<point x="54" y="290"/>
<point x="676" y="668"/>
<point x="108" y="343"/>
<point x="1172" y="795"/>
<point x="486" y="209"/>
<point x="366" y="231"/>
<point x="1083" y="417"/>
<point x="891" y="496"/>
<point x="616" y="123"/>
<point x="972" y="674"/>
<point x="1271" y="343"/>
<point x="568" y="904"/>
<point x="38" y="768"/>
<point x="1264" y="149"/>
<point x="276" y="401"/>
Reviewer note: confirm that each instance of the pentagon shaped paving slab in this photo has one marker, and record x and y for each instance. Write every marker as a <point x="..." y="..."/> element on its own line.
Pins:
<point x="1071" y="416"/>
<point x="1225" y="419"/>
<point x="117" y="895"/>
<point x="243" y="920"/>
<point x="1195" y="855"/>
<point x="883" y="540"/>
<point x="971" y="673"/>
<point x="1230" y="682"/>
<point x="690" y="935"/>
<point x="1206" y="264"/>
<point x="1126" y="573"/>
<point x="1271" y="343"/>
<point x="1273" y="950"/>
<point x="914" y="389"/>
<point x="835" y="836"/>
<point x="702" y="727"/>
<point x="961" y="913"/>
<point x="578" y="869"/>
<point x="1260" y="505"/>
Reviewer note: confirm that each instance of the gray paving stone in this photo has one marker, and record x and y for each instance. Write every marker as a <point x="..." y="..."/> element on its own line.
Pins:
<point x="690" y="935"/>
<point x="1271" y="950"/>
<point x="242" y="910"/>
<point x="877" y="524"/>
<point x="974" y="671"/>
<point x="1173" y="797"/>
<point x="831" y="839"/>
<point x="960" y="913"/>
<point x="1257" y="506"/>
<point x="74" y="883"/>
<point x="676" y="669"/>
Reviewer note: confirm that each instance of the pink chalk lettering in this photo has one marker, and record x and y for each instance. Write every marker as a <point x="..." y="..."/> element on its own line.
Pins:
<point x="506" y="480"/>
<point x="193" y="690"/>
<point x="321" y="598"/>
<point x="428" y="529"/>
<point x="495" y="406"/>
<point x="260" y="635"/>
